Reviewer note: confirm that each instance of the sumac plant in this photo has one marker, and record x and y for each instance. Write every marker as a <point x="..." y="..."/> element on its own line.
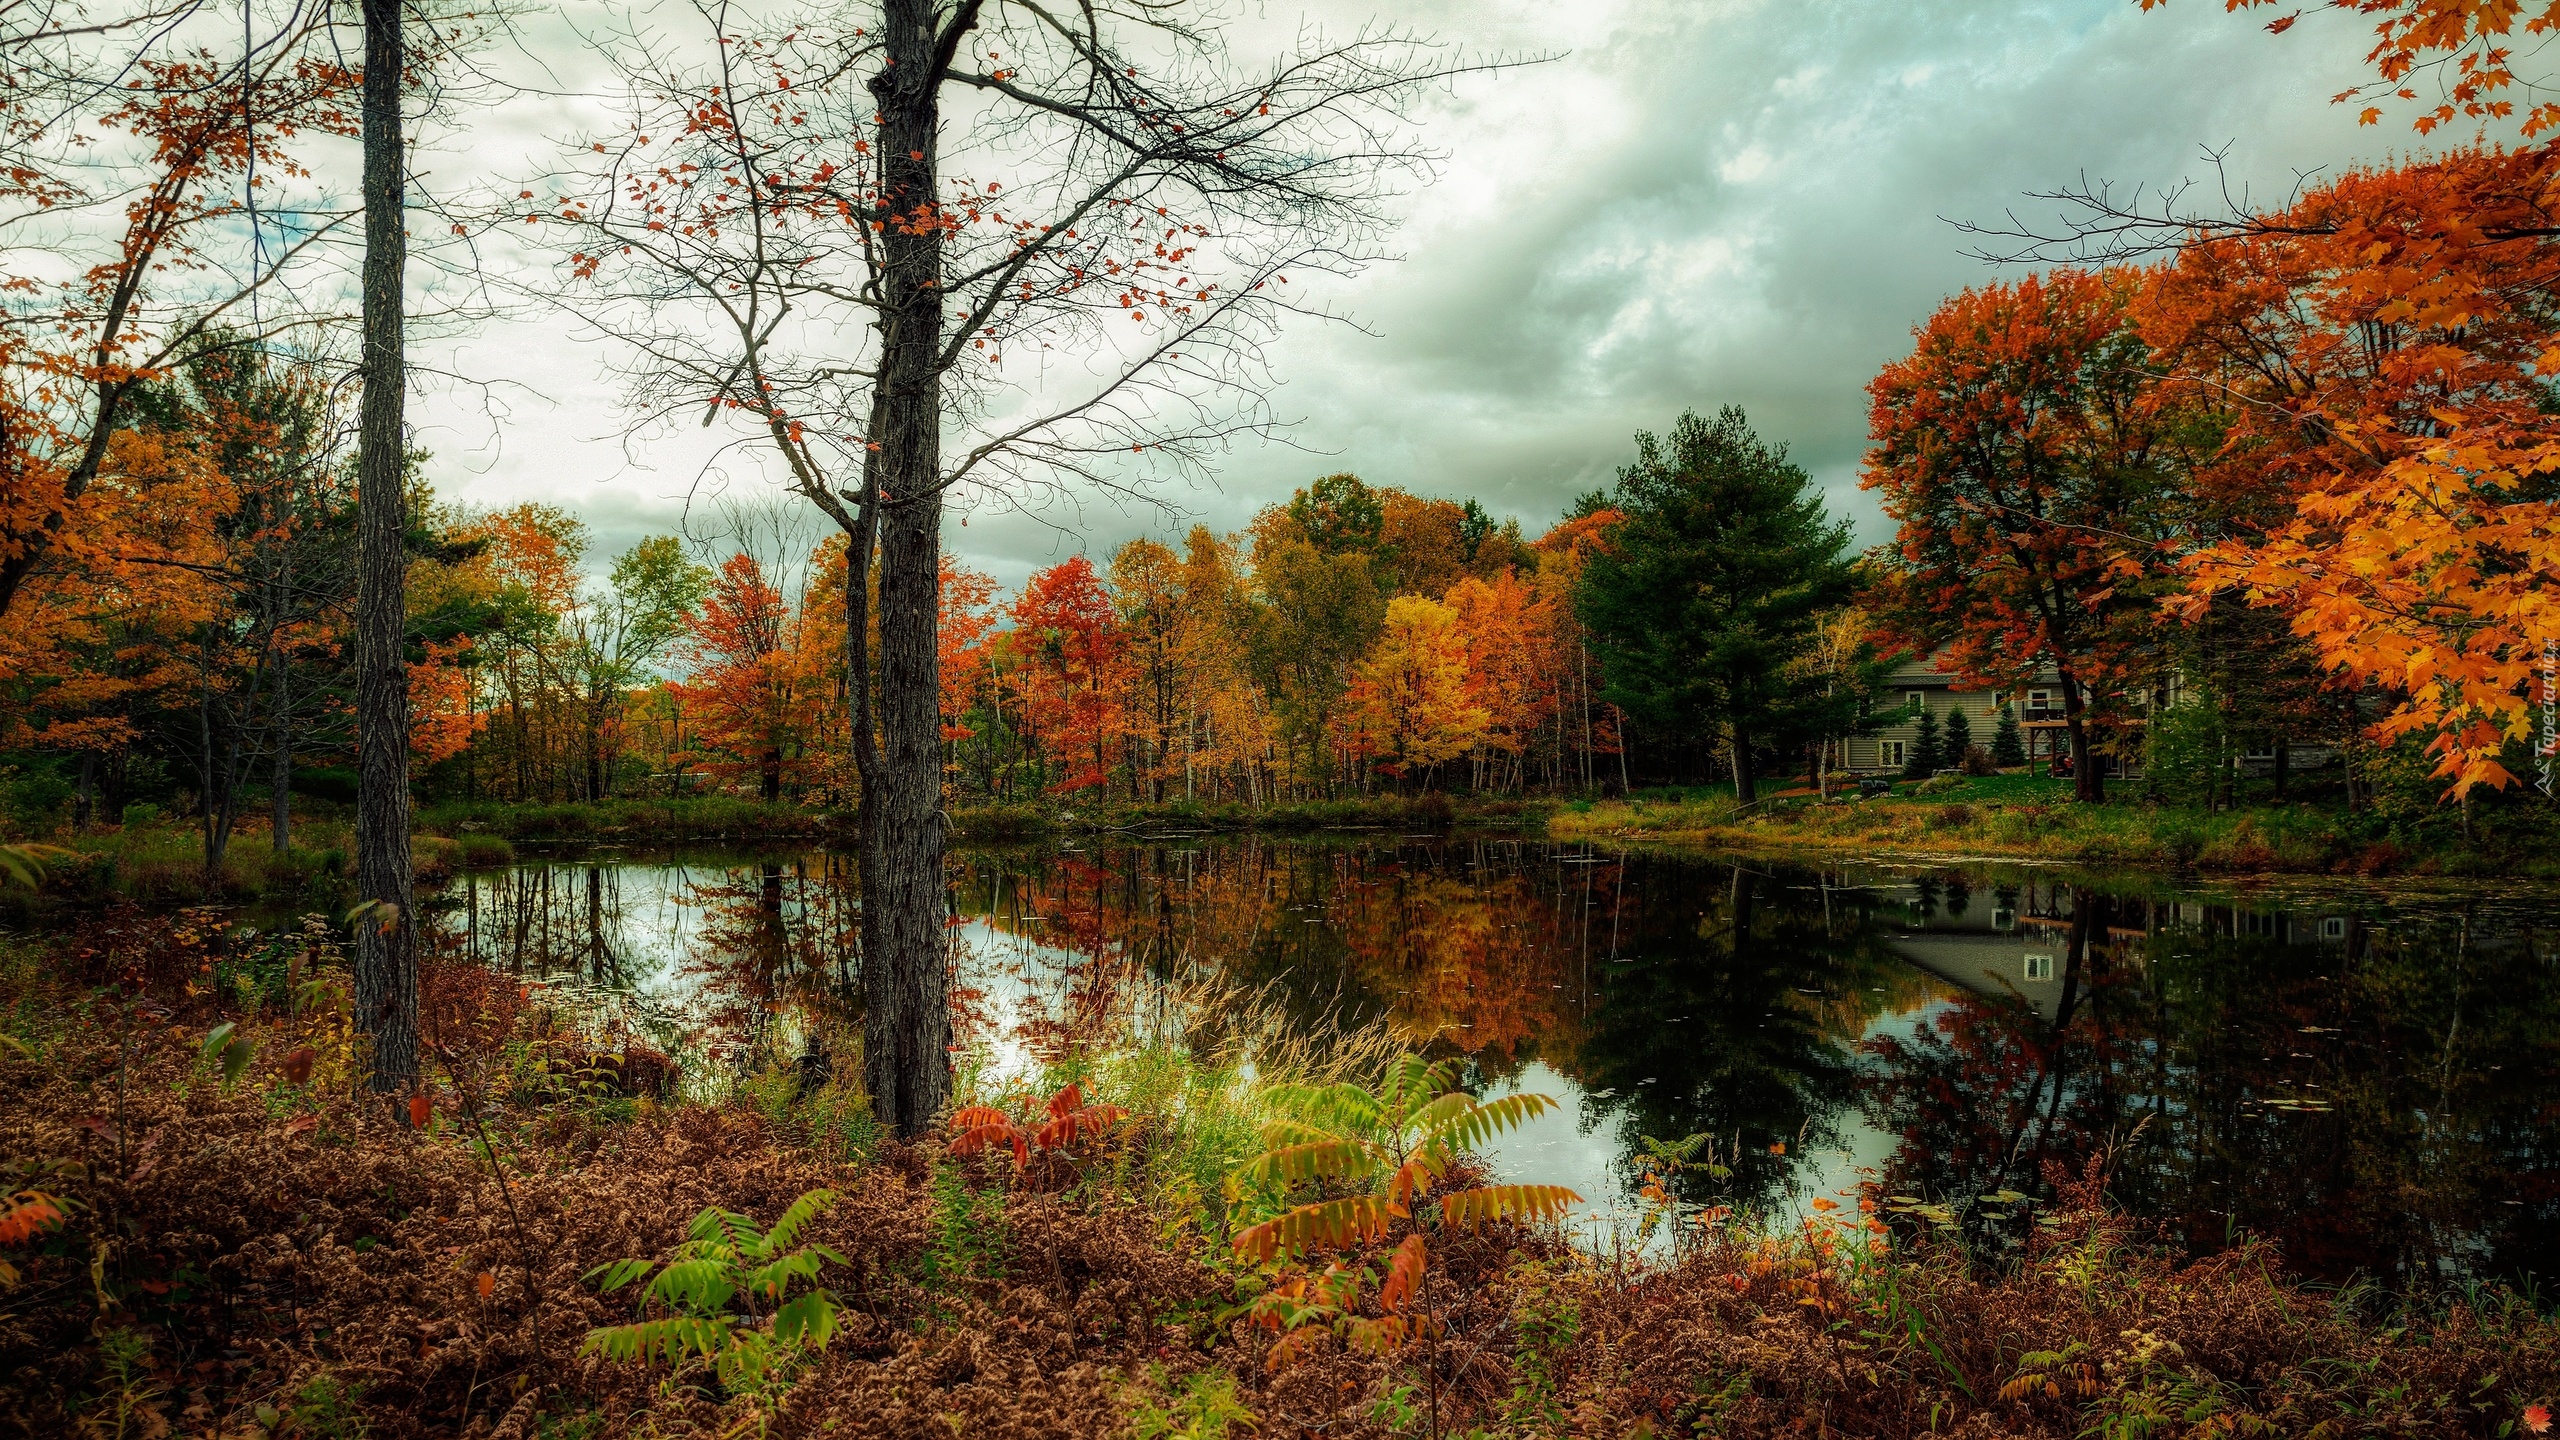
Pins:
<point x="1398" y="1141"/>
<point x="1065" y="1120"/>
<point x="727" y="1294"/>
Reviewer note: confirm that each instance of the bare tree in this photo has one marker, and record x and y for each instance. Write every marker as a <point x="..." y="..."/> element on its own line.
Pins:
<point x="989" y="246"/>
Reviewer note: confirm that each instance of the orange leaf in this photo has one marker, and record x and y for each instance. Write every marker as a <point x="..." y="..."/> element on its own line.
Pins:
<point x="1404" y="1274"/>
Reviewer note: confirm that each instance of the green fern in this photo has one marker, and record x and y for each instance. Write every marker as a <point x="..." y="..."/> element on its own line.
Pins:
<point x="728" y="1289"/>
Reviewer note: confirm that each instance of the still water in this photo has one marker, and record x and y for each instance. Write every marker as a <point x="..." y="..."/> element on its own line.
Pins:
<point x="2368" y="1077"/>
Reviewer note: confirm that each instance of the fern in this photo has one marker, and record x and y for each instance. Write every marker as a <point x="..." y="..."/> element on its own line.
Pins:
<point x="727" y="1258"/>
<point x="1206" y="1408"/>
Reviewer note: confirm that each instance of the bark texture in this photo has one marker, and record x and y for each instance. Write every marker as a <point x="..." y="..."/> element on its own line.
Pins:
<point x="386" y="977"/>
<point x="906" y="1037"/>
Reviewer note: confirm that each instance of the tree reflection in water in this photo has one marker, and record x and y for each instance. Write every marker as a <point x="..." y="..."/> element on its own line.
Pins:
<point x="2370" y="1082"/>
<point x="730" y="955"/>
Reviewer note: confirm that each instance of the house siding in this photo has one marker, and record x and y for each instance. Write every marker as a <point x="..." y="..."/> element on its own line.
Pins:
<point x="1941" y="696"/>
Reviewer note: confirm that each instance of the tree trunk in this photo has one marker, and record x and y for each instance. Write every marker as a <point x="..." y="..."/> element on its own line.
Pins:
<point x="386" y="999"/>
<point x="2088" y="787"/>
<point x="280" y="763"/>
<point x="905" y="978"/>
<point x="1746" y="785"/>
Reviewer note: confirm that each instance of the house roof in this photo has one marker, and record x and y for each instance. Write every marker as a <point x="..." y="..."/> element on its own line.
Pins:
<point x="1935" y="670"/>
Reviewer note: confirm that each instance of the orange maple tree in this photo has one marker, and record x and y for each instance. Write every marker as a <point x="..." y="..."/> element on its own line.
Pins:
<point x="2378" y="353"/>
<point x="741" y="678"/>
<point x="1071" y="633"/>
<point x="2394" y="327"/>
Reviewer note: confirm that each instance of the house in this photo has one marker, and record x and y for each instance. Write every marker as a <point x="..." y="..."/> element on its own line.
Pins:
<point x="1927" y="684"/>
<point x="1924" y="684"/>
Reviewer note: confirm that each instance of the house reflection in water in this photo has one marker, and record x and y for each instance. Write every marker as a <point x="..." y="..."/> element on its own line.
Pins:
<point x="2033" y="941"/>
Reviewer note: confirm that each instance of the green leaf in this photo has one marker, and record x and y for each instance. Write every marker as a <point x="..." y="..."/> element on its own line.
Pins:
<point x="618" y="1273"/>
<point x="803" y="1210"/>
<point x="1330" y="1158"/>
<point x="25" y="864"/>
<point x="808" y="1322"/>
<point x="1481" y="1123"/>
<point x="699" y="1287"/>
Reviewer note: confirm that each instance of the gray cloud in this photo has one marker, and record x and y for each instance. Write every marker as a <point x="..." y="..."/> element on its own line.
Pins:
<point x="1696" y="204"/>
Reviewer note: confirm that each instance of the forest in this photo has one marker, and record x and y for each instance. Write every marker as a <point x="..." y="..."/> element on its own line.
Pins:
<point x="325" y="1115"/>
<point x="2279" y="484"/>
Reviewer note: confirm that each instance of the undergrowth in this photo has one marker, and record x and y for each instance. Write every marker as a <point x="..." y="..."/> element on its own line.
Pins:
<point x="214" y="1233"/>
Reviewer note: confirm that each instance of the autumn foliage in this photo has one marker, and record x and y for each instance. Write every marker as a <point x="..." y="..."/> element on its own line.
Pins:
<point x="2334" y="413"/>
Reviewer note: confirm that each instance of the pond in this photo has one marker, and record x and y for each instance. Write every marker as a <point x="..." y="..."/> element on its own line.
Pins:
<point x="2368" y="1078"/>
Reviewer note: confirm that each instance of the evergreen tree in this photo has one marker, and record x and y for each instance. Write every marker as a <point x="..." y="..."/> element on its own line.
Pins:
<point x="2008" y="747"/>
<point x="1959" y="742"/>
<point x="1710" y="589"/>
<point x="1922" y="760"/>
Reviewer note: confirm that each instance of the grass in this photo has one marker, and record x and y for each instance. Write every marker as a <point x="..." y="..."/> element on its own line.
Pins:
<point x="1432" y="812"/>
<point x="161" y="863"/>
<point x="734" y="818"/>
<point x="2034" y="817"/>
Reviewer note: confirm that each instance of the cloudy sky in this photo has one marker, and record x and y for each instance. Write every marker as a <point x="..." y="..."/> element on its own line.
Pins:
<point x="1694" y="203"/>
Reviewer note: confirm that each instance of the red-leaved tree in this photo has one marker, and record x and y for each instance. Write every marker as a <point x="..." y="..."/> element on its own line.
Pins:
<point x="2017" y="450"/>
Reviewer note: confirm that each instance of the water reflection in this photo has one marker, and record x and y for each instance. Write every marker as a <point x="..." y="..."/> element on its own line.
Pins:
<point x="2367" y="1079"/>
<point x="715" y="958"/>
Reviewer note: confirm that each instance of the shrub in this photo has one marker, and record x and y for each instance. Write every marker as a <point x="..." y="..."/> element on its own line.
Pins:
<point x="1958" y="743"/>
<point x="727" y="1260"/>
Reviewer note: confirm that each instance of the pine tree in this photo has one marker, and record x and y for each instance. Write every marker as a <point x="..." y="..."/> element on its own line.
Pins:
<point x="1709" y="591"/>
<point x="2008" y="747"/>
<point x="1922" y="761"/>
<point x="1959" y="742"/>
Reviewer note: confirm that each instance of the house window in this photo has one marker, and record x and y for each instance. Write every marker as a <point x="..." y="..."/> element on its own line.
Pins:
<point x="2039" y="699"/>
<point x="1895" y="754"/>
<point x="2004" y="919"/>
<point x="2039" y="967"/>
<point x="1999" y="699"/>
<point x="1915" y="700"/>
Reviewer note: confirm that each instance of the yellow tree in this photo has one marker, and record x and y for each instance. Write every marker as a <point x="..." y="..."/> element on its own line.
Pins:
<point x="1410" y="700"/>
<point x="1228" y="726"/>
<point x="1154" y="626"/>
<point x="1505" y="622"/>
